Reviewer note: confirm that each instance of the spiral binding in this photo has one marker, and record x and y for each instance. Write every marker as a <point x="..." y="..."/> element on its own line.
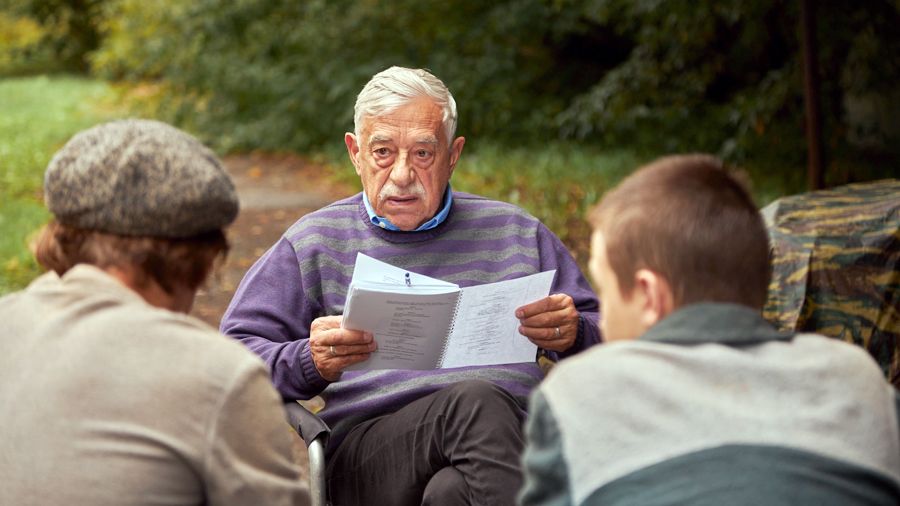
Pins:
<point x="440" y="360"/>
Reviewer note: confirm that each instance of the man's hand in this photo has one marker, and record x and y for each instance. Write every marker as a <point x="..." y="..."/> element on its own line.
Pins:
<point x="551" y="323"/>
<point x="334" y="349"/>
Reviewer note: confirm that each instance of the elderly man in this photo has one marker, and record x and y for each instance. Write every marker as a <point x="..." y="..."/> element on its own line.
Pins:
<point x="447" y="436"/>
<point x="110" y="394"/>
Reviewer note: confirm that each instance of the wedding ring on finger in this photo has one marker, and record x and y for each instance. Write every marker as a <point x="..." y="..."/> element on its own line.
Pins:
<point x="558" y="334"/>
<point x="331" y="348"/>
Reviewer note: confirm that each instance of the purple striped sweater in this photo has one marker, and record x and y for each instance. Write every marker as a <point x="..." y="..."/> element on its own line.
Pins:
<point x="306" y="273"/>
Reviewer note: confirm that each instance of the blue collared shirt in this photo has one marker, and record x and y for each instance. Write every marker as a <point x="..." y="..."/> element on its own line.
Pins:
<point x="439" y="218"/>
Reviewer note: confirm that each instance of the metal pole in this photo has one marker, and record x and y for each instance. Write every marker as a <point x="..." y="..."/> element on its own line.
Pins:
<point x="814" y="171"/>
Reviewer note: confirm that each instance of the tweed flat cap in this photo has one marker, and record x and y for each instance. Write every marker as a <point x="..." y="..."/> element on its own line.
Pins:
<point x="139" y="178"/>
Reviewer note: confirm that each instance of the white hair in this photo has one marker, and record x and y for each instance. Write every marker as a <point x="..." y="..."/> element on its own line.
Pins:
<point x="395" y="87"/>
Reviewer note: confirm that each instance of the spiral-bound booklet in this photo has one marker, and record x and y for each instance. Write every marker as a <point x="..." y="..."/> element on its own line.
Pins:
<point x="425" y="323"/>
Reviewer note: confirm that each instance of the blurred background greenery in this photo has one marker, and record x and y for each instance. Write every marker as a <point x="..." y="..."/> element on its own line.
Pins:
<point x="559" y="99"/>
<point x="38" y="113"/>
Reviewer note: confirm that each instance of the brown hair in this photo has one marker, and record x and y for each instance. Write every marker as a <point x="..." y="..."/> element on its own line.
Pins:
<point x="685" y="218"/>
<point x="169" y="262"/>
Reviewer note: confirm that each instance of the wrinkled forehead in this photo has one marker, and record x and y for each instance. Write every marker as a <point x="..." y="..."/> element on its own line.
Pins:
<point x="420" y="118"/>
<point x="426" y="138"/>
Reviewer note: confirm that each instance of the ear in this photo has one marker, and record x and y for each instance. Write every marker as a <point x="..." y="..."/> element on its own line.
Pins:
<point x="352" y="150"/>
<point x="658" y="300"/>
<point x="455" y="151"/>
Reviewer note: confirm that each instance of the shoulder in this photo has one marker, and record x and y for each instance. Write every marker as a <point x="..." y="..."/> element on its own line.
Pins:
<point x="849" y="362"/>
<point x="11" y="301"/>
<point x="615" y="356"/>
<point x="166" y="335"/>
<point x="178" y="361"/>
<point x="474" y="210"/>
<point x="337" y="215"/>
<point x="177" y="353"/>
<point x="471" y="203"/>
<point x="603" y="372"/>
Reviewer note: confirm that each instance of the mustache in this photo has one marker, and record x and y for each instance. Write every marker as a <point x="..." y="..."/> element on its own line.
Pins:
<point x="391" y="190"/>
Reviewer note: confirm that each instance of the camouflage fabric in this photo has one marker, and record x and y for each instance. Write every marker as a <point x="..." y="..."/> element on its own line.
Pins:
<point x="836" y="267"/>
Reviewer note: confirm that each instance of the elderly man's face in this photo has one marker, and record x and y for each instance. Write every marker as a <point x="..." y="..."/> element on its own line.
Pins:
<point x="404" y="162"/>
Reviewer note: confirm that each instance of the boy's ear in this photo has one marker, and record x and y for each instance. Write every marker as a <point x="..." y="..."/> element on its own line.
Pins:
<point x="658" y="299"/>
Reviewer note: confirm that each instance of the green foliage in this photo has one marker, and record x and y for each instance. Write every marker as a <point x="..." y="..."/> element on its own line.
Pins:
<point x="725" y="76"/>
<point x="39" y="115"/>
<point x="21" y="45"/>
<point x="137" y="38"/>
<point x="284" y="74"/>
<point x="648" y="76"/>
<point x="658" y="76"/>
<point x="58" y="35"/>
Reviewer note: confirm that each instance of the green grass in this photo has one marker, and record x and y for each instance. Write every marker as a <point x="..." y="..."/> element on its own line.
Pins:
<point x="37" y="116"/>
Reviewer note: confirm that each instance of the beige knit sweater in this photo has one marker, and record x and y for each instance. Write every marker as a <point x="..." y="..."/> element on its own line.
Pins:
<point x="106" y="400"/>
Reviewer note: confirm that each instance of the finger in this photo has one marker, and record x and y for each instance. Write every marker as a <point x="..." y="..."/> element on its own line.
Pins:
<point x="546" y="335"/>
<point x="352" y="349"/>
<point x="554" y="302"/>
<point x="323" y="350"/>
<point x="553" y="343"/>
<point x="536" y="307"/>
<point x="339" y="336"/>
<point x="331" y="366"/>
<point x="326" y="323"/>
<point x="550" y="319"/>
<point x="350" y="337"/>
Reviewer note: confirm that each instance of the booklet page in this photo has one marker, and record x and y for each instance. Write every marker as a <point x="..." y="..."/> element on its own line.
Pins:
<point x="410" y="328"/>
<point x="486" y="327"/>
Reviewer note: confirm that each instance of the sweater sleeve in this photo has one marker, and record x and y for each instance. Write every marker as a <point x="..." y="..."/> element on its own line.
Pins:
<point x="248" y="447"/>
<point x="271" y="315"/>
<point x="544" y="467"/>
<point x="569" y="280"/>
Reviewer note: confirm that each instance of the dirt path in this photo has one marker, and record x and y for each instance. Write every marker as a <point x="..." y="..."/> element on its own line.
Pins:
<point x="275" y="190"/>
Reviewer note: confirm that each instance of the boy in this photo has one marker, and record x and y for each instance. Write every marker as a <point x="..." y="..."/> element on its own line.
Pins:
<point x="696" y="399"/>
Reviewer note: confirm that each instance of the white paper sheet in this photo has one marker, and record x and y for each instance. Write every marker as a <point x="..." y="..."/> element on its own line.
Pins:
<point x="486" y="328"/>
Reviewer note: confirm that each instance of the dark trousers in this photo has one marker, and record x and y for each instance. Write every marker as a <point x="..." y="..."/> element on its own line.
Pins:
<point x="460" y="445"/>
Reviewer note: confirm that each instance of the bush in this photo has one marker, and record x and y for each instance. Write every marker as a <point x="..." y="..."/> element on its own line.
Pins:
<point x="21" y="51"/>
<point x="284" y="74"/>
<point x="680" y="75"/>
<point x="43" y="36"/>
<point x="726" y="76"/>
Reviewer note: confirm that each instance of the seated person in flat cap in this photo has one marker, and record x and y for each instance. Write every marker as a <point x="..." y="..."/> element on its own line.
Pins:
<point x="110" y="393"/>
<point x="445" y="436"/>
